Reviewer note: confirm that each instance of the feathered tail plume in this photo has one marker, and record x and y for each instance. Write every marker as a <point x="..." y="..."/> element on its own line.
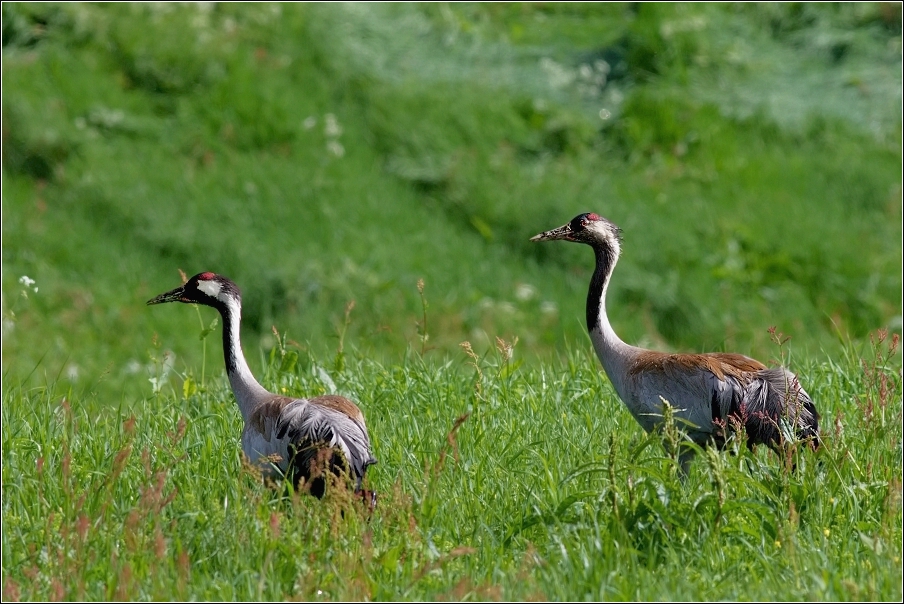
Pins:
<point x="776" y="409"/>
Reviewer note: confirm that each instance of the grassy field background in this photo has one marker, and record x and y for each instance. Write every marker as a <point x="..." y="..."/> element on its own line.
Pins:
<point x="330" y="159"/>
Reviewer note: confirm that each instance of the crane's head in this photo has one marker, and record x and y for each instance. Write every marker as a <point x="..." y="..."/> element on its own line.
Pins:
<point x="208" y="288"/>
<point x="589" y="228"/>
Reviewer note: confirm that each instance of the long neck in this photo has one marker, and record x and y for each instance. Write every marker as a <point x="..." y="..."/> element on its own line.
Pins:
<point x="614" y="354"/>
<point x="247" y="390"/>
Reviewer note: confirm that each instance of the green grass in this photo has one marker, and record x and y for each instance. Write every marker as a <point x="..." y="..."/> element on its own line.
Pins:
<point x="399" y="157"/>
<point x="495" y="482"/>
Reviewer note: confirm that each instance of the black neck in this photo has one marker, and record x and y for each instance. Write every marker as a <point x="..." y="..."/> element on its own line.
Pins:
<point x="231" y="325"/>
<point x="605" y="262"/>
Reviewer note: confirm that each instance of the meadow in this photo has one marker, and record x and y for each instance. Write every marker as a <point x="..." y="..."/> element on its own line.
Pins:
<point x="370" y="175"/>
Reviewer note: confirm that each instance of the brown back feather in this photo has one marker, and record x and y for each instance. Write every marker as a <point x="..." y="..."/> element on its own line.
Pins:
<point x="719" y="364"/>
<point x="339" y="403"/>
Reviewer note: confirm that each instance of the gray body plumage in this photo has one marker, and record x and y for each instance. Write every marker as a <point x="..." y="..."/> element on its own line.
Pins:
<point x="712" y="393"/>
<point x="711" y="404"/>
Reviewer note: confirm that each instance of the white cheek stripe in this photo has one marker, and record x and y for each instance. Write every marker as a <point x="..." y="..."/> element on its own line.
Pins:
<point x="211" y="288"/>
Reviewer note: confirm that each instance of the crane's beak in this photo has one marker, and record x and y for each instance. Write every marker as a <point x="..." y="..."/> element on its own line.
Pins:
<point x="174" y="295"/>
<point x="563" y="232"/>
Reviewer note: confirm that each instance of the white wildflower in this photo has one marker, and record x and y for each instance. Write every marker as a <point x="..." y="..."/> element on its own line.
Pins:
<point x="525" y="291"/>
<point x="331" y="126"/>
<point x="335" y="148"/>
<point x="28" y="282"/>
<point x="559" y="75"/>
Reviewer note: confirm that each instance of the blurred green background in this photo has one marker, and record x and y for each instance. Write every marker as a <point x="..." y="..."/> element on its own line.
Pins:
<point x="320" y="154"/>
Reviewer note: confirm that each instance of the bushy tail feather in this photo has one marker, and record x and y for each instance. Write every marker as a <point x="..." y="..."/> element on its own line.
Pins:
<point x="775" y="398"/>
